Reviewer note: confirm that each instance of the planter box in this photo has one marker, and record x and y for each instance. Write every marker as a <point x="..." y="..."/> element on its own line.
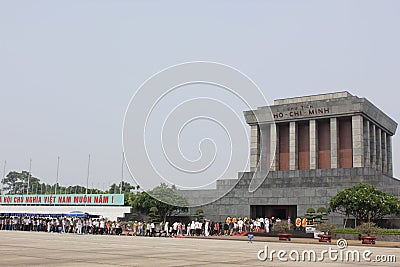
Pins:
<point x="284" y="237"/>
<point x="368" y="239"/>
<point x="325" y="238"/>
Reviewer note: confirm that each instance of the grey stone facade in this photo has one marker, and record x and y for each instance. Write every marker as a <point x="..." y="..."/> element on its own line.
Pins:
<point x="305" y="189"/>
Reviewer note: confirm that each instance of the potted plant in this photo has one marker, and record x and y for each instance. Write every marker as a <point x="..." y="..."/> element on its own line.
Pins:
<point x="326" y="228"/>
<point x="282" y="228"/>
<point x="310" y="216"/>
<point x="322" y="214"/>
<point x="366" y="229"/>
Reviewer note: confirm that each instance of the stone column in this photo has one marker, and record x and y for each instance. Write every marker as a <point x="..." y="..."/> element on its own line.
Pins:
<point x="367" y="147"/>
<point x="358" y="141"/>
<point x="372" y="144"/>
<point x="293" y="156"/>
<point x="389" y="154"/>
<point x="313" y="145"/>
<point x="334" y="143"/>
<point x="378" y="146"/>
<point x="265" y="143"/>
<point x="254" y="147"/>
<point x="384" y="153"/>
<point x="274" y="148"/>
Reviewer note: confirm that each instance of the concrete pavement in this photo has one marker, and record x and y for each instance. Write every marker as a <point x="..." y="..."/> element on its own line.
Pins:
<point x="51" y="249"/>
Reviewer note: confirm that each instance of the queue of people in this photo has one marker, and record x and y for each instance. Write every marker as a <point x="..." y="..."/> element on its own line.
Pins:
<point x="61" y="225"/>
<point x="231" y="226"/>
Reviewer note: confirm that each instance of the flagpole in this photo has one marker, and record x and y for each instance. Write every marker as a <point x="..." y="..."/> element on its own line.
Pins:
<point x="87" y="178"/>
<point x="58" y="167"/>
<point x="29" y="176"/>
<point x="122" y="174"/>
<point x="4" y="176"/>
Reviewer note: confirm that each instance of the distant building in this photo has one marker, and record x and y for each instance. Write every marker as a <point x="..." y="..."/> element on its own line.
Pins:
<point x="307" y="149"/>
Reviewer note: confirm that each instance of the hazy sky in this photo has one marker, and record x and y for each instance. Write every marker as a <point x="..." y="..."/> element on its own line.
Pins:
<point x="69" y="68"/>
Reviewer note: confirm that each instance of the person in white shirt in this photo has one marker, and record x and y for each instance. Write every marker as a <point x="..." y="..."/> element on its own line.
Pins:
<point x="174" y="228"/>
<point x="153" y="229"/>
<point x="179" y="233"/>
<point x="102" y="225"/>
<point x="166" y="228"/>
<point x="49" y="226"/>
<point x="79" y="227"/>
<point x="197" y="227"/>
<point x="240" y="225"/>
<point x="192" y="228"/>
<point x="63" y="225"/>
<point x="206" y="228"/>
<point x="266" y="225"/>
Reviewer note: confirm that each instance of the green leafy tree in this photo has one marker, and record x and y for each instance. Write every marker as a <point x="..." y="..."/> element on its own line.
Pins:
<point x="322" y="210"/>
<point x="127" y="190"/>
<point x="321" y="215"/>
<point x="17" y="183"/>
<point x="365" y="203"/>
<point x="153" y="214"/>
<point x="167" y="201"/>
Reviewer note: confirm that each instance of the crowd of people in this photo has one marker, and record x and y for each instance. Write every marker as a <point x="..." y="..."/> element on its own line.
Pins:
<point x="231" y="226"/>
<point x="61" y="225"/>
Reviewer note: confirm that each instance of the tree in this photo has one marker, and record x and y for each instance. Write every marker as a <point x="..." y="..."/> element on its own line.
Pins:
<point x="17" y="183"/>
<point x="153" y="214"/>
<point x="365" y="203"/>
<point x="127" y="189"/>
<point x="116" y="188"/>
<point x="322" y="214"/>
<point x="367" y="228"/>
<point x="310" y="214"/>
<point x="167" y="201"/>
<point x="199" y="214"/>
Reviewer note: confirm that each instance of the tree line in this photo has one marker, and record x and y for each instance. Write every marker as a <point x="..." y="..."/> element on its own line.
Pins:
<point x="23" y="183"/>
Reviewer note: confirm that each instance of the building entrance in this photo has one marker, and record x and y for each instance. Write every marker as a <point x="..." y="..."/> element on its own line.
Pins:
<point x="277" y="211"/>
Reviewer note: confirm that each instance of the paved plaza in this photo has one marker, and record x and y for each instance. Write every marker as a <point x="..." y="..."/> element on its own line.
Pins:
<point x="51" y="249"/>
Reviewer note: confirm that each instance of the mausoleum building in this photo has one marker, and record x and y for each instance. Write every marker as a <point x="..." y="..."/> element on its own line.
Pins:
<point x="304" y="150"/>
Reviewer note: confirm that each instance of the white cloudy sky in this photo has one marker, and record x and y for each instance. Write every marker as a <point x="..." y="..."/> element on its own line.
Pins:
<point x="69" y="68"/>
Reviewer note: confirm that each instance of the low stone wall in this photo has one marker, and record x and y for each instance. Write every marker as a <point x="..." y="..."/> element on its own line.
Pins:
<point x="389" y="238"/>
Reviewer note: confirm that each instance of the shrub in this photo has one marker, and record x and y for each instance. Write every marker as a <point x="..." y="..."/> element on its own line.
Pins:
<point x="354" y="231"/>
<point x="345" y="231"/>
<point x="389" y="232"/>
<point x="153" y="214"/>
<point x="322" y="210"/>
<point x="367" y="228"/>
<point x="281" y="227"/>
<point x="199" y="214"/>
<point x="325" y="227"/>
<point x="310" y="210"/>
